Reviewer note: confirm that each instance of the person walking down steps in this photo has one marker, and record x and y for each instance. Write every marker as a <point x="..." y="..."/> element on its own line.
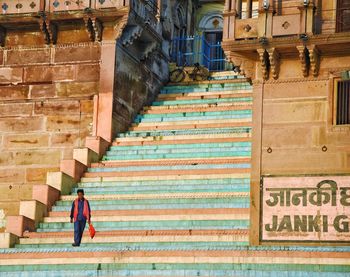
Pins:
<point x="80" y="213"/>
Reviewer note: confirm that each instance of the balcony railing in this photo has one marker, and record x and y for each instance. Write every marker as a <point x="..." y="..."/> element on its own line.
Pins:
<point x="10" y="7"/>
<point x="186" y="51"/>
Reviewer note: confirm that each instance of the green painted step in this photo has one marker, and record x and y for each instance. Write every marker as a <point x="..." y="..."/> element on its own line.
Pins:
<point x="164" y="189"/>
<point x="170" y="167"/>
<point x="147" y="246"/>
<point x="178" y="155"/>
<point x="179" y="149"/>
<point x="151" y="225"/>
<point x="181" y="146"/>
<point x="193" y="114"/>
<point x="152" y="204"/>
<point x="202" y="131"/>
<point x="201" y="101"/>
<point x="193" y="182"/>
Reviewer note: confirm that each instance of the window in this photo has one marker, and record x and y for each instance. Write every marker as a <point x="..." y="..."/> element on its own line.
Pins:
<point x="343" y="16"/>
<point x="248" y="8"/>
<point x="342" y="102"/>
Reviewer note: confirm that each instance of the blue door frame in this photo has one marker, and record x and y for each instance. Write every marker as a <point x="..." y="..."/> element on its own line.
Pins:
<point x="186" y="51"/>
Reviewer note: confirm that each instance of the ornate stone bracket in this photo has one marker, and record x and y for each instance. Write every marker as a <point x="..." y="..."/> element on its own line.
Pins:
<point x="245" y="65"/>
<point x="119" y="27"/>
<point x="314" y="55"/>
<point x="304" y="60"/>
<point x="264" y="63"/>
<point x="274" y="59"/>
<point x="94" y="28"/>
<point x="49" y="30"/>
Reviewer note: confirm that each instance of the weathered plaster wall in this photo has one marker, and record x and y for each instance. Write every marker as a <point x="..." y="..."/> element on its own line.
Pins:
<point x="136" y="85"/>
<point x="46" y="110"/>
<point x="292" y="125"/>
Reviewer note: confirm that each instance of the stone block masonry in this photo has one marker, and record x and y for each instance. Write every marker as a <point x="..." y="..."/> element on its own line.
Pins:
<point x="46" y="109"/>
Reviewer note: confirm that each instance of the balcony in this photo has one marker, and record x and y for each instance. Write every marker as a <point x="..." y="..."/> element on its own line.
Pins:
<point x="21" y="7"/>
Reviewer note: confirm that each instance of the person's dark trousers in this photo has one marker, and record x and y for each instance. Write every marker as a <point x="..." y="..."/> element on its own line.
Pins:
<point x="79" y="227"/>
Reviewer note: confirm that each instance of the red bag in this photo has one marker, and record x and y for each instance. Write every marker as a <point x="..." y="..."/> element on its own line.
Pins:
<point x="92" y="231"/>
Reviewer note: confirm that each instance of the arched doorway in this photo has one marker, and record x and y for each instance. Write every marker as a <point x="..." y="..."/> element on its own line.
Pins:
<point x="211" y="26"/>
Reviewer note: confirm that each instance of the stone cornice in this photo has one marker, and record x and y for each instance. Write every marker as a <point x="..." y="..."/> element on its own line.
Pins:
<point x="287" y="42"/>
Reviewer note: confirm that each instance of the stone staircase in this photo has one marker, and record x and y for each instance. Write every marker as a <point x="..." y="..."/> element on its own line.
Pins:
<point x="171" y="198"/>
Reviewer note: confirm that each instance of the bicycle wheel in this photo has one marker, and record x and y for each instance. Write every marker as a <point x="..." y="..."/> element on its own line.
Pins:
<point x="202" y="74"/>
<point x="177" y="76"/>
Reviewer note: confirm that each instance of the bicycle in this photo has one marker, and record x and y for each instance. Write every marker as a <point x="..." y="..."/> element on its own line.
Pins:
<point x="199" y="73"/>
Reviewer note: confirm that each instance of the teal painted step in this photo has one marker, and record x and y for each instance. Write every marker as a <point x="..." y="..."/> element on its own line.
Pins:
<point x="201" y="101"/>
<point x="194" y="118"/>
<point x="151" y="225"/>
<point x="182" y="149"/>
<point x="153" y="204"/>
<point x="204" y="131"/>
<point x="226" y="246"/>
<point x="181" y="270"/>
<point x="123" y="202"/>
<point x="147" y="246"/>
<point x="178" y="150"/>
<point x="195" y="182"/>
<point x="178" y="156"/>
<point x="163" y="189"/>
<point x="192" y="114"/>
<point x="171" y="167"/>
<point x="180" y="146"/>
<point x="171" y="273"/>
<point x="206" y="88"/>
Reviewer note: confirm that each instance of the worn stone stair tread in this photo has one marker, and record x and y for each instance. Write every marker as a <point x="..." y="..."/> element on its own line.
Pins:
<point x="187" y="161"/>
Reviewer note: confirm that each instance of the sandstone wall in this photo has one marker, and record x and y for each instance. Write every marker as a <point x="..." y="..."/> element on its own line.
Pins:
<point x="46" y="109"/>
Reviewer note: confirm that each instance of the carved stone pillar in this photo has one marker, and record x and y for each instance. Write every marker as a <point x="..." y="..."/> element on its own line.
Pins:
<point x="265" y="19"/>
<point x="230" y="20"/>
<point x="307" y="18"/>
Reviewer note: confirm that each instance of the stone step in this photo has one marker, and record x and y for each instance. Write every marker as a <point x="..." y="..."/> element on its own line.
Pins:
<point x="183" y="145"/>
<point x="193" y="117"/>
<point x="202" y="101"/>
<point x="175" y="217"/>
<point x="191" y="167"/>
<point x="205" y="95"/>
<point x="239" y="182"/>
<point x="97" y="272"/>
<point x="161" y="189"/>
<point x="191" y="132"/>
<point x="318" y="260"/>
<point x="139" y="142"/>
<point x="161" y="178"/>
<point x="188" y="125"/>
<point x="185" y="161"/>
<point x="182" y="115"/>
<point x="165" y="246"/>
<point x="220" y="107"/>
<point x="180" y="148"/>
<point x="161" y="173"/>
<point x="160" y="197"/>
<point x="151" y="225"/>
<point x="104" y="238"/>
<point x="210" y="155"/>
<point x="206" y="88"/>
<point x="152" y="235"/>
<point x="154" y="212"/>
<point x="236" y="201"/>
